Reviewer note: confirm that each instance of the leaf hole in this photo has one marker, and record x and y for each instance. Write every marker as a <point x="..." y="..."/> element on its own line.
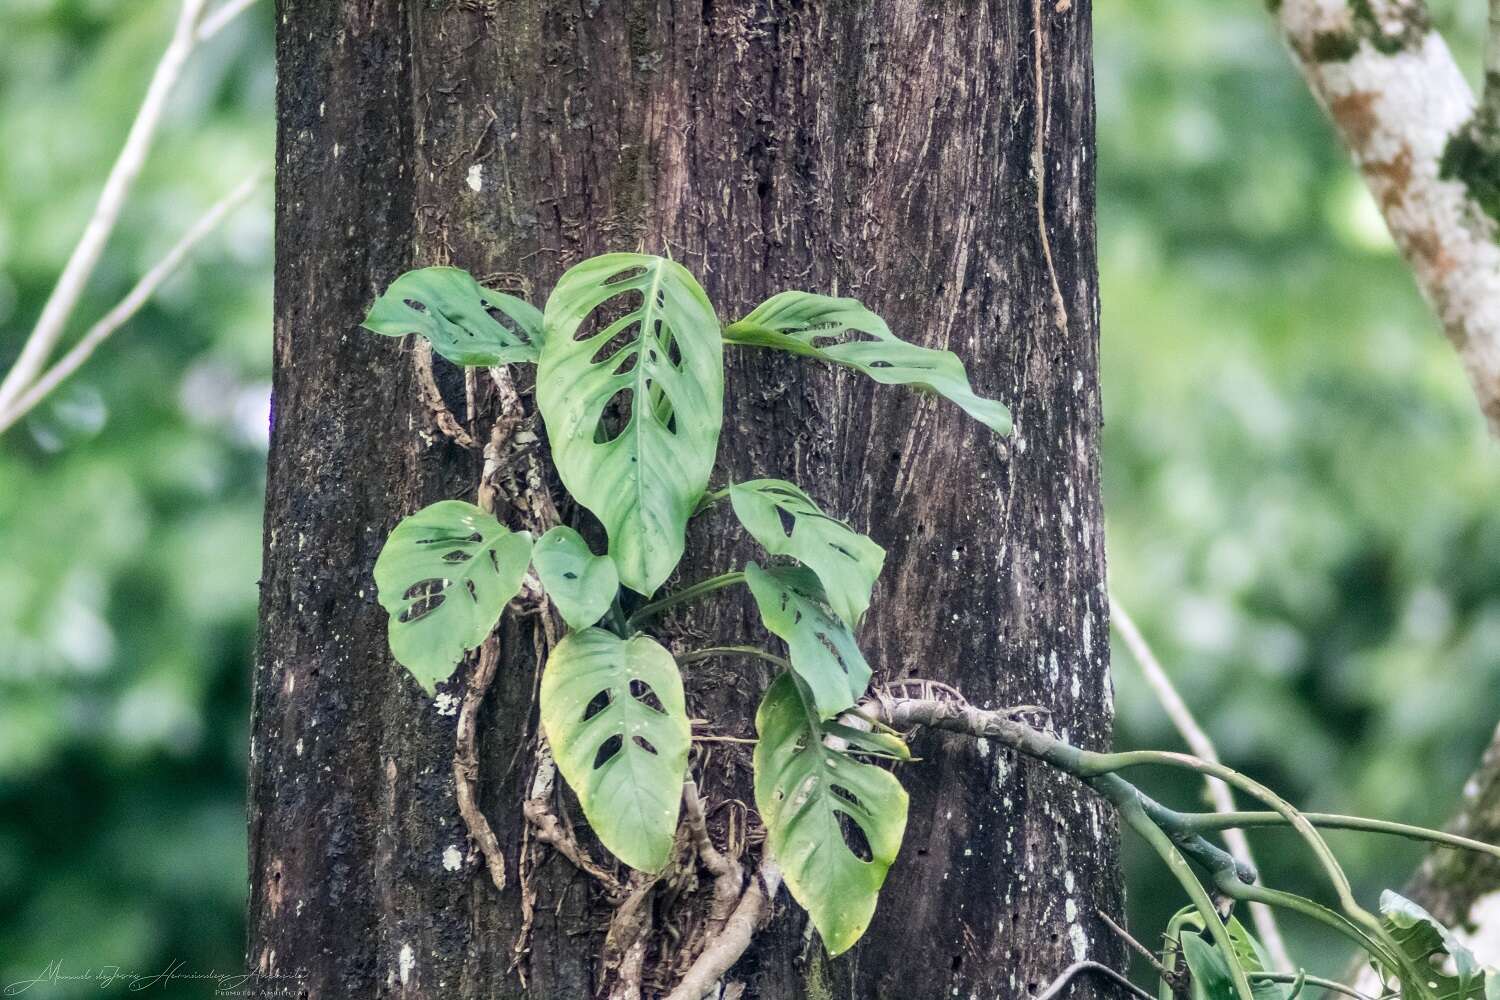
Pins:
<point x="828" y="336"/>
<point x="843" y="793"/>
<point x="431" y="587"/>
<point x="644" y="744"/>
<point x="641" y="692"/>
<point x="628" y="274"/>
<point x="615" y="416"/>
<point x="511" y="326"/>
<point x="787" y="520"/>
<point x="833" y="650"/>
<point x="608" y="750"/>
<point x="616" y="315"/>
<point x="457" y="556"/>
<point x="569" y="575"/>
<point x="596" y="705"/>
<point x="854" y="837"/>
<point x="414" y="305"/>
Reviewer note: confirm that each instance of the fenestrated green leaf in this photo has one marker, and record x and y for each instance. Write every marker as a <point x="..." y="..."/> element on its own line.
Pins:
<point x="845" y="561"/>
<point x="823" y="651"/>
<point x="845" y="332"/>
<point x="644" y="480"/>
<point x="623" y="756"/>
<point x="581" y="584"/>
<point x="448" y="307"/>
<point x="444" y="575"/>
<point x="1422" y="939"/>
<point x="806" y="793"/>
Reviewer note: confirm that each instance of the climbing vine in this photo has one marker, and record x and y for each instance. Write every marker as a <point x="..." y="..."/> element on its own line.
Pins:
<point x="630" y="387"/>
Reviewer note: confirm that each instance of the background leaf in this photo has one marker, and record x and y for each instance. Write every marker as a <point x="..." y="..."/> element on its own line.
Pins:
<point x="802" y="789"/>
<point x="581" y="584"/>
<point x="1422" y="939"/>
<point x="823" y="651"/>
<point x="662" y="358"/>
<point x="444" y="575"/>
<point x="448" y="307"/>
<point x="623" y="756"/>
<point x="846" y="562"/>
<point x="817" y="326"/>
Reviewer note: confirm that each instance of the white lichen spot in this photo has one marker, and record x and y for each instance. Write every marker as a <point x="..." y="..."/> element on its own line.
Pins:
<point x="447" y="704"/>
<point x="1080" y="941"/>
<point x="453" y="859"/>
<point x="1068" y="880"/>
<point x="1070" y="910"/>
<point x="298" y="747"/>
<point x="336" y="151"/>
<point x="475" y="180"/>
<point x="983" y="746"/>
<point x="408" y="962"/>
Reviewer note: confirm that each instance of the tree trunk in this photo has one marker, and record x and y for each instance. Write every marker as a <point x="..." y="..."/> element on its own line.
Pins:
<point x="886" y="151"/>
<point x="1462" y="888"/>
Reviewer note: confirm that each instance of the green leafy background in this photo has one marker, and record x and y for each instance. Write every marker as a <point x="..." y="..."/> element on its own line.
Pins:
<point x="1301" y="500"/>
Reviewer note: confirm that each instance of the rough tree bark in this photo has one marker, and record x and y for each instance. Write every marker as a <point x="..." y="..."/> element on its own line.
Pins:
<point x="892" y="151"/>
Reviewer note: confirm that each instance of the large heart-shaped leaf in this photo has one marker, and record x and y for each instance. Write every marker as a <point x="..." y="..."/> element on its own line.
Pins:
<point x="810" y="798"/>
<point x="444" y="575"/>
<point x="845" y="561"/>
<point x="845" y="332"/>
<point x="653" y="347"/>
<point x="614" y="714"/>
<point x="448" y="307"/>
<point x="823" y="651"/>
<point x="581" y="584"/>
<point x="1426" y="944"/>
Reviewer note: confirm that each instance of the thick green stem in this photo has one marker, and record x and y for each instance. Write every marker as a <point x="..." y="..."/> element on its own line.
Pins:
<point x="1335" y="872"/>
<point x="697" y="590"/>
<point x="709" y="499"/>
<point x="1302" y="977"/>
<point x="1204" y="822"/>
<point x="707" y="652"/>
<point x="1313" y="910"/>
<point x="1135" y="817"/>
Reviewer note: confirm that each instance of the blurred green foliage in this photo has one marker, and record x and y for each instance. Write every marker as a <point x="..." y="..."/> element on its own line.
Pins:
<point x="130" y="504"/>
<point x="1300" y="493"/>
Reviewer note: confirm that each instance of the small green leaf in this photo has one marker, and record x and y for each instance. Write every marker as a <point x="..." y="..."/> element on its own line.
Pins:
<point x="1211" y="979"/>
<point x="449" y="308"/>
<point x="1421" y="939"/>
<point x="653" y="347"/>
<point x="819" y="326"/>
<point x="806" y="793"/>
<point x="623" y="755"/>
<point x="823" y="651"/>
<point x="581" y="584"/>
<point x="444" y="575"/>
<point x="845" y="561"/>
<point x="1253" y="958"/>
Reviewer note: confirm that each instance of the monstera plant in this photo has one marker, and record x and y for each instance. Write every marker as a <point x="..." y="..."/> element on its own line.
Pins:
<point x="630" y="385"/>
